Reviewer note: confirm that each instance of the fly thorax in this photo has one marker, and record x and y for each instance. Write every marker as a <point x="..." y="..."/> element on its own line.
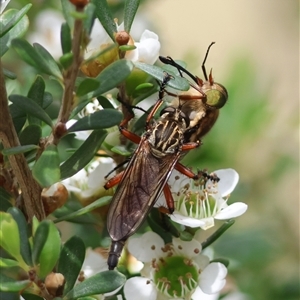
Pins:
<point x="166" y="138"/>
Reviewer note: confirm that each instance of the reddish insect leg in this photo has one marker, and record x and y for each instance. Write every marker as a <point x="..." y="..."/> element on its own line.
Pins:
<point x="113" y="181"/>
<point x="169" y="200"/>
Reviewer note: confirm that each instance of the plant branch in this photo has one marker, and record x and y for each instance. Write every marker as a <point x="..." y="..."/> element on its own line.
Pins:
<point x="31" y="191"/>
<point x="69" y="82"/>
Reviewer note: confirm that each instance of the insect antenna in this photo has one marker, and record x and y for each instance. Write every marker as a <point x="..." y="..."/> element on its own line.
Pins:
<point x="204" y="61"/>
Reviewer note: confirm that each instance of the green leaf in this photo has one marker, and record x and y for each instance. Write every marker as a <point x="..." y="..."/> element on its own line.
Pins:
<point x="100" y="283"/>
<point x="48" y="61"/>
<point x="19" y="149"/>
<point x="30" y="135"/>
<point x="13" y="16"/>
<point x="36" y="93"/>
<point x="101" y="119"/>
<point x="105" y="17"/>
<point x="46" y="170"/>
<point x="70" y="261"/>
<point x="87" y="85"/>
<point x="66" y="60"/>
<point x="22" y="225"/>
<point x="11" y="285"/>
<point x="10" y="237"/>
<point x="83" y="154"/>
<point x="130" y="10"/>
<point x="89" y="21"/>
<point x="177" y="82"/>
<point x="8" y="73"/>
<point x="37" y="56"/>
<point x="8" y="263"/>
<point x="112" y="76"/>
<point x="18" y="30"/>
<point x="67" y="8"/>
<point x="30" y="107"/>
<point x="98" y="203"/>
<point x="46" y="247"/>
<point x="65" y="38"/>
<point x="104" y="102"/>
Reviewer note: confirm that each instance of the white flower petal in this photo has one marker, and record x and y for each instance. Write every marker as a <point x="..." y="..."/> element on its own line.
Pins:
<point x="146" y="247"/>
<point x="137" y="288"/>
<point x="228" y="181"/>
<point x="198" y="294"/>
<point x="187" y="221"/>
<point x="212" y="279"/>
<point x="189" y="249"/>
<point x="93" y="263"/>
<point x="96" y="178"/>
<point x="232" y="211"/>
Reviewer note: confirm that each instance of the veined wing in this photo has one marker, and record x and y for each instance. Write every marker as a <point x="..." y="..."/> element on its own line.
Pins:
<point x="141" y="184"/>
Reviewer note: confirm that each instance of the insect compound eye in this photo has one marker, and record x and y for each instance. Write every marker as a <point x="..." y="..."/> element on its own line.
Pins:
<point x="168" y="109"/>
<point x="185" y="118"/>
<point x="216" y="97"/>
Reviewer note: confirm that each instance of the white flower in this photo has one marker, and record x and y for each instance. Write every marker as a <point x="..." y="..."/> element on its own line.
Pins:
<point x="47" y="31"/>
<point x="197" y="204"/>
<point x="88" y="185"/>
<point x="147" y="49"/>
<point x="176" y="270"/>
<point x="94" y="263"/>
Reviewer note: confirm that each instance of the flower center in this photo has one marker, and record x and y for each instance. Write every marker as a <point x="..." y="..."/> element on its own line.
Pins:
<point x="176" y="276"/>
<point x="196" y="202"/>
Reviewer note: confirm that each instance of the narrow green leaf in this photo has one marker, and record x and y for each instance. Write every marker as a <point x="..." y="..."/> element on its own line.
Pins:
<point x="36" y="93"/>
<point x="98" y="203"/>
<point x="10" y="237"/>
<point x="39" y="239"/>
<point x="103" y="14"/>
<point x="19" y="149"/>
<point x="11" y="285"/>
<point x="101" y="119"/>
<point x="67" y="8"/>
<point x="37" y="89"/>
<point x="17" y="31"/>
<point x="26" y="52"/>
<point x="70" y="261"/>
<point x="177" y="82"/>
<point x="22" y="225"/>
<point x="65" y="38"/>
<point x="130" y="10"/>
<point x="8" y="263"/>
<point x="90" y="15"/>
<point x="112" y="76"/>
<point x="86" y="86"/>
<point x="30" y="135"/>
<point x="104" y="102"/>
<point x="9" y="74"/>
<point x="31" y="108"/>
<point x="83" y="154"/>
<point x="46" y="170"/>
<point x="50" y="251"/>
<point x="14" y="16"/>
<point x="66" y="60"/>
<point x="100" y="283"/>
<point x="49" y="64"/>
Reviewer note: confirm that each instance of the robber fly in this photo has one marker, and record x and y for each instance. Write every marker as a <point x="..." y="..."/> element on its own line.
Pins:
<point x="147" y="172"/>
<point x="209" y="97"/>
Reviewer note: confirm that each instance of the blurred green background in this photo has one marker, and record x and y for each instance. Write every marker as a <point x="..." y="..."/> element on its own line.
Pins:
<point x="256" y="57"/>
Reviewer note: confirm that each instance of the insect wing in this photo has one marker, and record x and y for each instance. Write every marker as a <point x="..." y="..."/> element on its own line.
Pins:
<point x="141" y="184"/>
